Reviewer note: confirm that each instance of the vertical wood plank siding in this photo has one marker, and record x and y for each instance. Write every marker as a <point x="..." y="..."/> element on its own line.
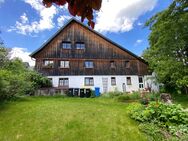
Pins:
<point x="97" y="49"/>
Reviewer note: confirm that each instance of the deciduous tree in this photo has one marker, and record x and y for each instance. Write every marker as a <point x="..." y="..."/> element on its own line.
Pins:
<point x="168" y="51"/>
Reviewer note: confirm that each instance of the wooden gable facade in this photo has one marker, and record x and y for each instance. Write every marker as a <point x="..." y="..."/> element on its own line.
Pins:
<point x="77" y="45"/>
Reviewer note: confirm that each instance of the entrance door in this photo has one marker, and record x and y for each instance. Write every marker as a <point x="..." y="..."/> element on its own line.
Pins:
<point x="105" y="84"/>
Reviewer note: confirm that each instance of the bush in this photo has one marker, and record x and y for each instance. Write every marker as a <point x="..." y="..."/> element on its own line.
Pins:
<point x="135" y="96"/>
<point x="123" y="98"/>
<point x="171" y="117"/>
<point x="152" y="130"/>
<point x="10" y="84"/>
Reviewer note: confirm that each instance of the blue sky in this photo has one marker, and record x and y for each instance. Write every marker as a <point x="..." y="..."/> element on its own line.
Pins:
<point x="26" y="24"/>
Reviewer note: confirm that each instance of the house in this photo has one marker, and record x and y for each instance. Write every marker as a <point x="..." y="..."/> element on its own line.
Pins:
<point x="79" y="57"/>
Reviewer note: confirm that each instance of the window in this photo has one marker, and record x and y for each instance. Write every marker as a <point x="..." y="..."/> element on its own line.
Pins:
<point x="89" y="81"/>
<point x="113" y="81"/>
<point x="66" y="45"/>
<point x="88" y="64"/>
<point x="128" y="80"/>
<point x="141" y="82"/>
<point x="64" y="64"/>
<point x="127" y="64"/>
<point x="112" y="64"/>
<point x="48" y="63"/>
<point x="63" y="82"/>
<point x="80" y="45"/>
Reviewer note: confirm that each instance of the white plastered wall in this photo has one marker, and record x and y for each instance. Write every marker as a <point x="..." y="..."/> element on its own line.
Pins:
<point x="78" y="82"/>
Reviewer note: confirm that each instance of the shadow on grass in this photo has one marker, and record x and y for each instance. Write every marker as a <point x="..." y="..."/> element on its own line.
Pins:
<point x="4" y="104"/>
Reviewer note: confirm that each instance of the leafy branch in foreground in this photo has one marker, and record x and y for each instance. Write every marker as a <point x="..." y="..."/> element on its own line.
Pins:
<point x="82" y="8"/>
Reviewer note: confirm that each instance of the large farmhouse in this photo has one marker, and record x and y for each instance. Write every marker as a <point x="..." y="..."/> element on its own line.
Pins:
<point x="79" y="57"/>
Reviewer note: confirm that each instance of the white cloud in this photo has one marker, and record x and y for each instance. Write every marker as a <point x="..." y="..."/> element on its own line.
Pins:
<point x="1" y="1"/>
<point x="45" y="22"/>
<point x="62" y="19"/>
<point x="24" y="18"/>
<point x="21" y="53"/>
<point x="139" y="24"/>
<point x="139" y="41"/>
<point x="120" y="15"/>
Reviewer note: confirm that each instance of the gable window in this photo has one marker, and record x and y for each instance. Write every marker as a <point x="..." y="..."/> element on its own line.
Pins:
<point x="127" y="64"/>
<point x="113" y="81"/>
<point x="128" y="80"/>
<point x="112" y="64"/>
<point x="89" y="81"/>
<point x="63" y="82"/>
<point x="64" y="64"/>
<point x="48" y="63"/>
<point x="141" y="82"/>
<point x="66" y="45"/>
<point x="88" y="64"/>
<point x="80" y="45"/>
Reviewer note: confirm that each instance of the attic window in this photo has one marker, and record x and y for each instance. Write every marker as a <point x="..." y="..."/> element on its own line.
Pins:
<point x="80" y="45"/>
<point x="66" y="45"/>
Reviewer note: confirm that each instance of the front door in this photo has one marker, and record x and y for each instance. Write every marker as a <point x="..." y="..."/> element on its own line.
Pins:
<point x="105" y="84"/>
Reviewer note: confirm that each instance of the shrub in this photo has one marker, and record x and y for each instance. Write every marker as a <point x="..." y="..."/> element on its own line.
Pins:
<point x="135" y="96"/>
<point x="171" y="117"/>
<point x="123" y="98"/>
<point x="144" y="101"/>
<point x="152" y="130"/>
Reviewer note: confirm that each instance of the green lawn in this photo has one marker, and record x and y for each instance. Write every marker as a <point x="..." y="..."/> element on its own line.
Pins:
<point x="181" y="99"/>
<point x="67" y="119"/>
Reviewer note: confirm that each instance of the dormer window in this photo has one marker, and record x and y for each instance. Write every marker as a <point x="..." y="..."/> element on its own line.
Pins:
<point x="66" y="45"/>
<point x="88" y="64"/>
<point x="80" y="45"/>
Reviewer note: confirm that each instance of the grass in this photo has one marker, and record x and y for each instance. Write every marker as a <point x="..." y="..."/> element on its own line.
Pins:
<point x="180" y="99"/>
<point x="67" y="119"/>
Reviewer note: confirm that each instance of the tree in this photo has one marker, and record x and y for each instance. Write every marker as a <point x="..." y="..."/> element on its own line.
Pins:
<point x="16" y="79"/>
<point x="168" y="51"/>
<point x="82" y="8"/>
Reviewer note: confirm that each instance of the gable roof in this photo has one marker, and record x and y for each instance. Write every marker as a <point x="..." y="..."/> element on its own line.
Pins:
<point x="88" y="28"/>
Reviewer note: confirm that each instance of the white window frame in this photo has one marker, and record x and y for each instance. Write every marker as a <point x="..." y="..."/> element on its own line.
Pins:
<point x="141" y="84"/>
<point x="89" y="81"/>
<point x="48" y="63"/>
<point x="128" y="79"/>
<point x="66" y="45"/>
<point x="63" y="81"/>
<point x="80" y="45"/>
<point x="64" y="64"/>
